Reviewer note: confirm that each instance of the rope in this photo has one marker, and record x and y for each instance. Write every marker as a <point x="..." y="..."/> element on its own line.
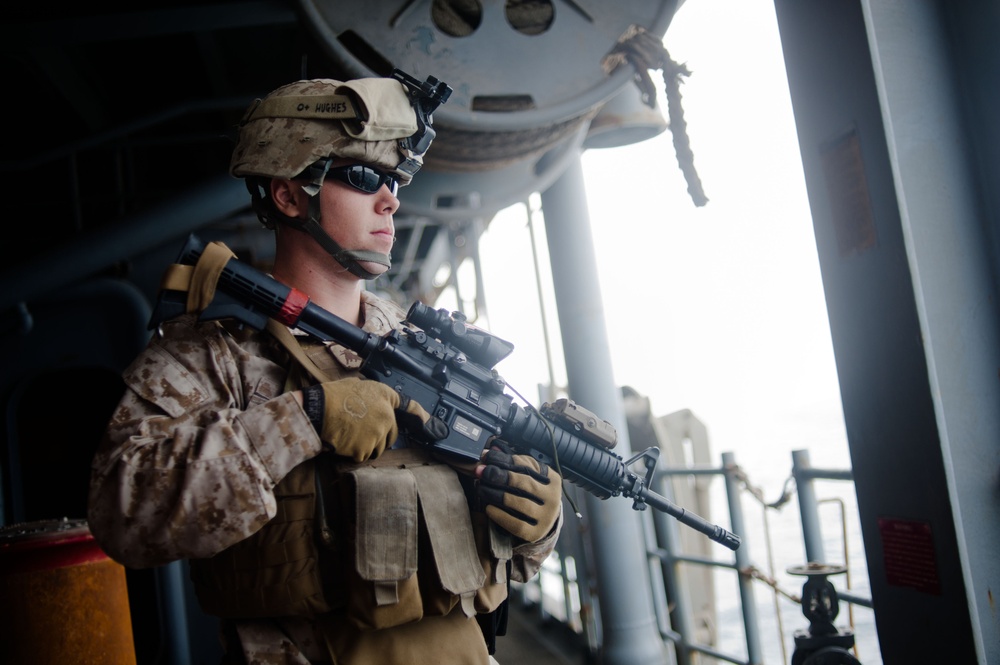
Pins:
<point x="757" y="574"/>
<point x="646" y="52"/>
<point x="758" y="493"/>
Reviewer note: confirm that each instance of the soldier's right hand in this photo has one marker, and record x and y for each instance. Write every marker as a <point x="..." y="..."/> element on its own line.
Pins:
<point x="359" y="416"/>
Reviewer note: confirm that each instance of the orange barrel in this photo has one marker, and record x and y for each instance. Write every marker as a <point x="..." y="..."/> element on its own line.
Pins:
<point x="62" y="600"/>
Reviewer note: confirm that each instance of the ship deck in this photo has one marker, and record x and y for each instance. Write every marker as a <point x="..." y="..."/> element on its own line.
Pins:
<point x="534" y="639"/>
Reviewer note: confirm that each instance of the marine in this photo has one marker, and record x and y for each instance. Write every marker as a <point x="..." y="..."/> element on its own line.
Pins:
<point x="315" y="529"/>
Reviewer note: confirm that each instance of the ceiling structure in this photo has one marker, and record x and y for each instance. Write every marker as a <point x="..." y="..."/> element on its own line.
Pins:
<point x="121" y="121"/>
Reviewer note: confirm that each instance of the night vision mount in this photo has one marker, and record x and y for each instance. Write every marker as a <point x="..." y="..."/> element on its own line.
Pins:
<point x="425" y="97"/>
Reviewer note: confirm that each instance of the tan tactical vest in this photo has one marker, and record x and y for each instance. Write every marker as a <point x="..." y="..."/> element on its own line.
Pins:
<point x="388" y="541"/>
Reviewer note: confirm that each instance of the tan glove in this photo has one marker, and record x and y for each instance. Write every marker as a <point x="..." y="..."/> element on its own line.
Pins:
<point x="521" y="494"/>
<point x="360" y="418"/>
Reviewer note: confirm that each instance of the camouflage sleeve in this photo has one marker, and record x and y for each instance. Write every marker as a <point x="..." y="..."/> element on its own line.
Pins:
<point x="184" y="471"/>
<point x="528" y="557"/>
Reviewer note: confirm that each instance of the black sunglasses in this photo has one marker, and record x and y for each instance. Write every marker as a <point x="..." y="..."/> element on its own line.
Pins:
<point x="364" y="178"/>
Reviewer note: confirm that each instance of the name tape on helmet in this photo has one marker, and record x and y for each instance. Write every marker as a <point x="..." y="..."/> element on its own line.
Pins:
<point x="326" y="107"/>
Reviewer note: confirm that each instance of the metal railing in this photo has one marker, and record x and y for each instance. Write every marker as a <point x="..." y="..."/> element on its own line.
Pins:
<point x="670" y="557"/>
<point x="575" y="602"/>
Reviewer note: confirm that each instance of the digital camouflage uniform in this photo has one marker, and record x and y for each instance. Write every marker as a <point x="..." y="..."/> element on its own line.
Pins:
<point x="189" y="467"/>
<point x="209" y="457"/>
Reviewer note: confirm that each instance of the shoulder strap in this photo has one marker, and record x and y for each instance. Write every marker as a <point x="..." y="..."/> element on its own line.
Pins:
<point x="287" y="340"/>
<point x="200" y="280"/>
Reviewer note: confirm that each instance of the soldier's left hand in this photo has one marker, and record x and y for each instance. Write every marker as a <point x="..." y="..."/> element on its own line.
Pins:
<point x="521" y="494"/>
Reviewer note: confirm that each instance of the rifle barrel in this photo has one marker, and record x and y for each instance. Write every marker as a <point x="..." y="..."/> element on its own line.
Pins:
<point x="713" y="531"/>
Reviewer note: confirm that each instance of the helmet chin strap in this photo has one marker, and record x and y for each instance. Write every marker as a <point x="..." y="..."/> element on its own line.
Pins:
<point x="349" y="258"/>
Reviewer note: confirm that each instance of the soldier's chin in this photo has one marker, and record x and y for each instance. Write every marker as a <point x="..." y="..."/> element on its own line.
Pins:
<point x="374" y="268"/>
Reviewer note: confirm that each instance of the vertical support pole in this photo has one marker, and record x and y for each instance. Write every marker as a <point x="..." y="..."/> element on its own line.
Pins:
<point x="754" y="653"/>
<point x="895" y="106"/>
<point x="630" y="634"/>
<point x="812" y="534"/>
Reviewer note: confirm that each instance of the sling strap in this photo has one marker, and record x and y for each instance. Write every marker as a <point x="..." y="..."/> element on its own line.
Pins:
<point x="200" y="281"/>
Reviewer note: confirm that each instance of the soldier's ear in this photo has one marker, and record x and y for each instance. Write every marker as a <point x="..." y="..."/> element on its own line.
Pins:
<point x="289" y="198"/>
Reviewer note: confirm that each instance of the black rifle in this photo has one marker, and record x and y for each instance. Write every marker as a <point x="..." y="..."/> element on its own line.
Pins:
<point x="446" y="365"/>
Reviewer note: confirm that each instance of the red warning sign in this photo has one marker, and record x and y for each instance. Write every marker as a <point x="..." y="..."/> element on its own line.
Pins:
<point x="908" y="550"/>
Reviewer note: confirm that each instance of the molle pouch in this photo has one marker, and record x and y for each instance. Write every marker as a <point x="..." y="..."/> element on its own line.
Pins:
<point x="456" y="563"/>
<point x="386" y="110"/>
<point x="383" y="587"/>
<point x="408" y="509"/>
<point x="495" y="551"/>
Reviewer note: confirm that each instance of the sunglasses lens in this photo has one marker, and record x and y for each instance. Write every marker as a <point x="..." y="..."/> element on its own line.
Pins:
<point x="364" y="179"/>
<point x="369" y="180"/>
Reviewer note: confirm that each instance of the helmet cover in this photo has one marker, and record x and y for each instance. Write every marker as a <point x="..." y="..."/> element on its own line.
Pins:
<point x="303" y="122"/>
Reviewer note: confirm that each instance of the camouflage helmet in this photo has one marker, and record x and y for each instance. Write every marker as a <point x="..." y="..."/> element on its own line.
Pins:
<point x="300" y="123"/>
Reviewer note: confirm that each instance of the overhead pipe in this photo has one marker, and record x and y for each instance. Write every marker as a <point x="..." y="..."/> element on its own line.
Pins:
<point x="92" y="252"/>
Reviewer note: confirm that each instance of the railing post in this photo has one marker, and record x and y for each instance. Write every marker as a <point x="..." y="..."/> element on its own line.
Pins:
<point x="668" y="541"/>
<point x="754" y="653"/>
<point x="812" y="533"/>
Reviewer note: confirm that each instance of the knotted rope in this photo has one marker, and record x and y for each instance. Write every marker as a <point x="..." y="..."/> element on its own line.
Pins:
<point x="646" y="52"/>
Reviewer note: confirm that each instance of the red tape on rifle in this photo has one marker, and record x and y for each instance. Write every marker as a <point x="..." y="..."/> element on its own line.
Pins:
<point x="292" y="308"/>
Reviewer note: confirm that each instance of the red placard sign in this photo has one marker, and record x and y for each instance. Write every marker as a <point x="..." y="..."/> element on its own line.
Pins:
<point x="908" y="551"/>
